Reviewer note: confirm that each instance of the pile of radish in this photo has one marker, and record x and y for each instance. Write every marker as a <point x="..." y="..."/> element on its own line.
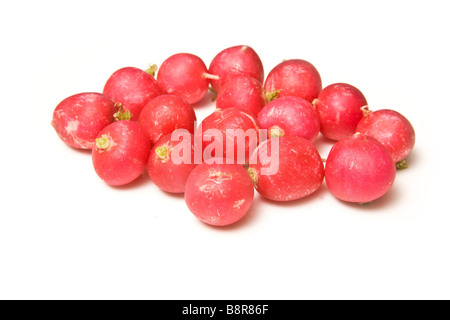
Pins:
<point x="260" y="136"/>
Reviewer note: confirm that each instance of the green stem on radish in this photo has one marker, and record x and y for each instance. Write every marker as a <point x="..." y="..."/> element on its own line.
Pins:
<point x="272" y="95"/>
<point x="122" y="115"/>
<point x="253" y="175"/>
<point x="402" y="164"/>
<point x="276" y="132"/>
<point x="162" y="152"/>
<point x="103" y="143"/>
<point x="151" y="70"/>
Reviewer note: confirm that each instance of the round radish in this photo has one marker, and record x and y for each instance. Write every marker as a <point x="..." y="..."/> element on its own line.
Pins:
<point x="164" y="114"/>
<point x="184" y="75"/>
<point x="339" y="108"/>
<point x="133" y="88"/>
<point x="168" y="166"/>
<point x="230" y="133"/>
<point x="359" y="169"/>
<point x="78" y="119"/>
<point x="120" y="153"/>
<point x="290" y="116"/>
<point x="242" y="92"/>
<point x="294" y="77"/>
<point x="219" y="194"/>
<point x="237" y="60"/>
<point x="392" y="130"/>
<point x="293" y="171"/>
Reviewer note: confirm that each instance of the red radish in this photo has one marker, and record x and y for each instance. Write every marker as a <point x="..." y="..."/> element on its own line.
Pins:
<point x="219" y="194"/>
<point x="237" y="60"/>
<point x="164" y="114"/>
<point x="291" y="116"/>
<point x="133" y="88"/>
<point x="300" y="168"/>
<point x="392" y="130"/>
<point x="78" y="119"/>
<point x="233" y="127"/>
<point x="165" y="165"/>
<point x="359" y="169"/>
<point x="339" y="107"/>
<point x="120" y="153"/>
<point x="294" y="77"/>
<point x="184" y="75"/>
<point x="242" y="92"/>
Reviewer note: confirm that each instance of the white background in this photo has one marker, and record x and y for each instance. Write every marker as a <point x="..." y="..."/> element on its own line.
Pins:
<point x="65" y="234"/>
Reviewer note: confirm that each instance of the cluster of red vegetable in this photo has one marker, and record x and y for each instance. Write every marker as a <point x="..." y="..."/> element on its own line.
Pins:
<point x="139" y="121"/>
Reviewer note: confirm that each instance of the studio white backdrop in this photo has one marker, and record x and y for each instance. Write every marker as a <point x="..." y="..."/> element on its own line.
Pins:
<point x="65" y="234"/>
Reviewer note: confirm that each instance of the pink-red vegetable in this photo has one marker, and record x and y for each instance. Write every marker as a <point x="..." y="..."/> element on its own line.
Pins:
<point x="133" y="88"/>
<point x="219" y="194"/>
<point x="237" y="60"/>
<point x="294" y="77"/>
<point x="243" y="92"/>
<point x="290" y="116"/>
<point x="339" y="108"/>
<point x="233" y="127"/>
<point x="359" y="169"/>
<point x="392" y="130"/>
<point x="184" y="75"/>
<point x="298" y="172"/>
<point x="164" y="114"/>
<point x="121" y="153"/>
<point x="168" y="166"/>
<point x="78" y="119"/>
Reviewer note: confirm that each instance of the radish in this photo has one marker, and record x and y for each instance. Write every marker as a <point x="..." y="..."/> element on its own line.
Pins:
<point x="164" y="114"/>
<point x="133" y="88"/>
<point x="166" y="166"/>
<point x="185" y="75"/>
<point x="78" y="119"/>
<point x="392" y="130"/>
<point x="219" y="194"/>
<point x="120" y="153"/>
<point x="339" y="108"/>
<point x="291" y="116"/>
<point x="242" y="92"/>
<point x="230" y="134"/>
<point x="297" y="168"/>
<point x="359" y="169"/>
<point x="294" y="77"/>
<point x="237" y="60"/>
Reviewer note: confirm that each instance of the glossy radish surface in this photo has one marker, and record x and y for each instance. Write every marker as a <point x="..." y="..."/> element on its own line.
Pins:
<point x="294" y="77"/>
<point x="242" y="92"/>
<point x="300" y="169"/>
<point x="339" y="108"/>
<point x="359" y="169"/>
<point x="120" y="153"/>
<point x="164" y="114"/>
<point x="184" y="75"/>
<point x="290" y="116"/>
<point x="133" y="88"/>
<point x="219" y="194"/>
<point x="237" y="60"/>
<point x="214" y="133"/>
<point x="78" y="119"/>
<point x="391" y="129"/>
<point x="168" y="166"/>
